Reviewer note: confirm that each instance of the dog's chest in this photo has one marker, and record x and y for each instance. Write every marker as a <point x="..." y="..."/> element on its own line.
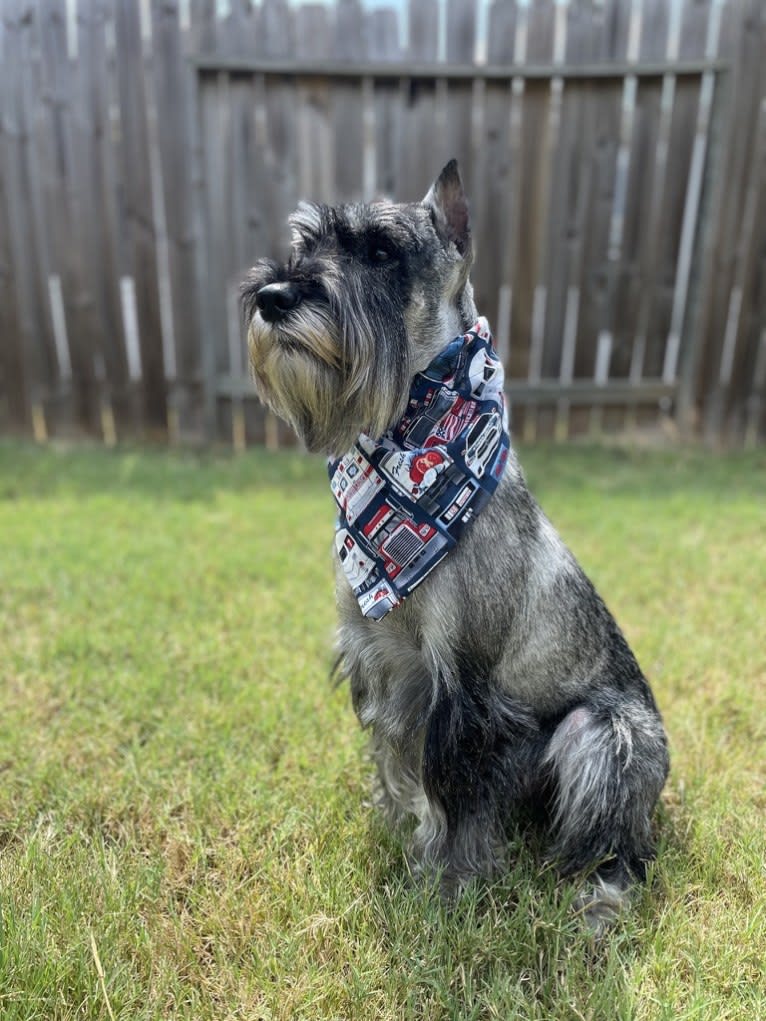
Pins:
<point x="394" y="664"/>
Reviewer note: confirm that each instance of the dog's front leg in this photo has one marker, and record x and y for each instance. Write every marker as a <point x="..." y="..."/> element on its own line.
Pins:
<point x="477" y="747"/>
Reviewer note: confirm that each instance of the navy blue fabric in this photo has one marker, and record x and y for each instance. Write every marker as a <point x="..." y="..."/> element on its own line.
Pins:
<point x="406" y="498"/>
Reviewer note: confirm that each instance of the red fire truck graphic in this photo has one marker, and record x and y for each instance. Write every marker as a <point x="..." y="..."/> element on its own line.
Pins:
<point x="401" y="543"/>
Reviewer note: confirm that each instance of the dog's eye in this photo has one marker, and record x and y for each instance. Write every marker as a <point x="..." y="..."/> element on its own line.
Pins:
<point x="379" y="253"/>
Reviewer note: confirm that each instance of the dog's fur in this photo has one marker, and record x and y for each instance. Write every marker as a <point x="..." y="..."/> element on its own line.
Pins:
<point x="502" y="680"/>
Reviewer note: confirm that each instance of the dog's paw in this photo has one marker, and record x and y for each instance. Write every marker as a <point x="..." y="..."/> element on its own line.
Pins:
<point x="600" y="903"/>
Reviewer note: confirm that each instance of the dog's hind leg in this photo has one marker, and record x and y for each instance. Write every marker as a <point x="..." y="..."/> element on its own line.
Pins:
<point x="608" y="762"/>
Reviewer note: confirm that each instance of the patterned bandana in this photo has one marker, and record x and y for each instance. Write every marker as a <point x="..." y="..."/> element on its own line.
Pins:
<point x="406" y="498"/>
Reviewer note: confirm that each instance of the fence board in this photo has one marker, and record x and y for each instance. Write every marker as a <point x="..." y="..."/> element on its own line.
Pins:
<point x="547" y="28"/>
<point x="383" y="34"/>
<point x="140" y="229"/>
<point x="748" y="87"/>
<point x="99" y="165"/>
<point x="15" y="405"/>
<point x="61" y="143"/>
<point x="175" y="116"/>
<point x="753" y="212"/>
<point x="25" y="360"/>
<point x="423" y="30"/>
<point x="499" y="227"/>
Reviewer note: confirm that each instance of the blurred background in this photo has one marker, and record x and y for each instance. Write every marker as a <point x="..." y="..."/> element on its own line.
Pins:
<point x="614" y="152"/>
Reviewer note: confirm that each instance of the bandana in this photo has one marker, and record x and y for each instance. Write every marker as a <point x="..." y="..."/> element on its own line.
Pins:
<point x="406" y="498"/>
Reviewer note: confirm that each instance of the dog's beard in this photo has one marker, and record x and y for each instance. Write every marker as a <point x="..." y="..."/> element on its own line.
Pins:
<point x="330" y="375"/>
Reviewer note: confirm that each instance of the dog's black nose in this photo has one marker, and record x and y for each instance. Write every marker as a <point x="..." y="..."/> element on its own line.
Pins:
<point x="274" y="300"/>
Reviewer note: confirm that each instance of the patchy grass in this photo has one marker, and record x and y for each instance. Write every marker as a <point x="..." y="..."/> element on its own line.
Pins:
<point x="183" y="831"/>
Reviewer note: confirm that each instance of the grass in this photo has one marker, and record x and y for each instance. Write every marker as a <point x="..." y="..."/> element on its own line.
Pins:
<point x="183" y="827"/>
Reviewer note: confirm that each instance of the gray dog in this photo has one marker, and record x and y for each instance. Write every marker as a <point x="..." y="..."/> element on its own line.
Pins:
<point x="490" y="672"/>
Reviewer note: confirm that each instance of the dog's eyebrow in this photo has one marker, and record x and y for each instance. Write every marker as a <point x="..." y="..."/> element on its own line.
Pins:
<point x="392" y="229"/>
<point x="307" y="222"/>
<point x="379" y="232"/>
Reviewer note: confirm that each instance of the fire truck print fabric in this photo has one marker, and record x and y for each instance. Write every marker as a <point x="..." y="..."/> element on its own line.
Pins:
<point x="406" y="498"/>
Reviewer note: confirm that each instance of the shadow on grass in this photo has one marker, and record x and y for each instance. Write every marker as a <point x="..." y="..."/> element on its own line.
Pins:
<point x="514" y="948"/>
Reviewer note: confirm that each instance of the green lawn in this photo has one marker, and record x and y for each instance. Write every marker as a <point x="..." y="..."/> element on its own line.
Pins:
<point x="183" y="822"/>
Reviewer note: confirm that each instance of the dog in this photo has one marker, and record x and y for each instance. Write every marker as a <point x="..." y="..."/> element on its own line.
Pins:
<point x="490" y="673"/>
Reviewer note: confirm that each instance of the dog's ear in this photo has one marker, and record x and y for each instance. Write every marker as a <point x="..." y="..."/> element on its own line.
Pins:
<point x="449" y="208"/>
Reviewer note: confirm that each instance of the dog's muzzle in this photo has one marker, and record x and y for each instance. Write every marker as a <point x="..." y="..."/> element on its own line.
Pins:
<point x="274" y="301"/>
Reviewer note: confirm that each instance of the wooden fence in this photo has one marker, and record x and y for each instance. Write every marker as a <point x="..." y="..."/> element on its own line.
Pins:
<point x="614" y="151"/>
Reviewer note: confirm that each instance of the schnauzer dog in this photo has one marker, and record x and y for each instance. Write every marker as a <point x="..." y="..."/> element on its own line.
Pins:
<point x="490" y="672"/>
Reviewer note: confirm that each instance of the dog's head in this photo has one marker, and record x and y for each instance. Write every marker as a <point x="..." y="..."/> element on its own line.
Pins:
<point x="369" y="295"/>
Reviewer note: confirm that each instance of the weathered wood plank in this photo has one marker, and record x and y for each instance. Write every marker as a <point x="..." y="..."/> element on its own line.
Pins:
<point x="95" y="201"/>
<point x="548" y="27"/>
<point x="423" y="30"/>
<point x="66" y="181"/>
<point x="175" y="87"/>
<point x="317" y="133"/>
<point x="604" y="71"/>
<point x="100" y="166"/>
<point x="755" y="426"/>
<point x="608" y="340"/>
<point x="743" y="98"/>
<point x="383" y="34"/>
<point x="753" y="212"/>
<point x="140" y="228"/>
<point x="237" y="29"/>
<point x="576" y="183"/>
<point x="422" y="112"/>
<point x="30" y="355"/>
<point x="16" y="413"/>
<point x="692" y="200"/>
